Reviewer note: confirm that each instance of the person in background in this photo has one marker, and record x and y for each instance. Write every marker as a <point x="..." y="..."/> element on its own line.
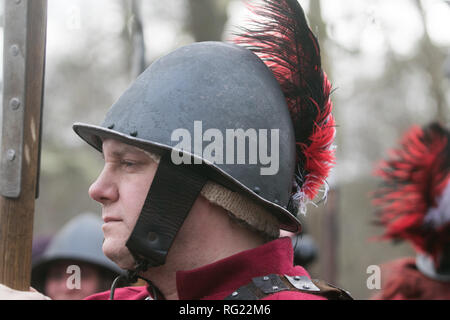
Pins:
<point x="413" y="204"/>
<point x="40" y="244"/>
<point x="76" y="250"/>
<point x="305" y="247"/>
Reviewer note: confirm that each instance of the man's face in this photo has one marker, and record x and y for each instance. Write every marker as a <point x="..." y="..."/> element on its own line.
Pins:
<point x="58" y="279"/>
<point x="122" y="188"/>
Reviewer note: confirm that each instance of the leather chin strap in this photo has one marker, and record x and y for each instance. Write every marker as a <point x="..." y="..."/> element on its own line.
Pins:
<point x="173" y="192"/>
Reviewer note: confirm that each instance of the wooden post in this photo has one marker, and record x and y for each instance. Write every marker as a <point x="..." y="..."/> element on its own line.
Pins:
<point x="24" y="65"/>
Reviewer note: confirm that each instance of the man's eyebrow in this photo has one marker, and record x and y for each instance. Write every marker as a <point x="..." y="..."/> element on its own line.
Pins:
<point x="124" y="152"/>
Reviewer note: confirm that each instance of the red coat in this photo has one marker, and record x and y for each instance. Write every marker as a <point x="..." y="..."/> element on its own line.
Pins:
<point x="401" y="280"/>
<point x="219" y="279"/>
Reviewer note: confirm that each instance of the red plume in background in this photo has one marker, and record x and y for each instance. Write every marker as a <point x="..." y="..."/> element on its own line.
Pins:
<point x="416" y="179"/>
<point x="282" y="38"/>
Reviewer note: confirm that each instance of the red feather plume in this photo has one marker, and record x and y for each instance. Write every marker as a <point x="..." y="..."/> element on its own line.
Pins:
<point x="283" y="40"/>
<point x="414" y="178"/>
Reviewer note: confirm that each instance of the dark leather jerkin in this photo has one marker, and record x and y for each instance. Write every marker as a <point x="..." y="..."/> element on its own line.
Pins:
<point x="262" y="287"/>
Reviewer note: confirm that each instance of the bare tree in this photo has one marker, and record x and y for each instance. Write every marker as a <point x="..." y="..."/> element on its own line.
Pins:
<point x="133" y="36"/>
<point x="433" y="59"/>
<point x="328" y="227"/>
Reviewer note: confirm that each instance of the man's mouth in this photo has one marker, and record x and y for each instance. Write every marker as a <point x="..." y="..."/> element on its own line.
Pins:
<point x="107" y="219"/>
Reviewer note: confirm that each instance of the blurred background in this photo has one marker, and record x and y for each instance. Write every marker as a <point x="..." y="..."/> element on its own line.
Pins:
<point x="388" y="61"/>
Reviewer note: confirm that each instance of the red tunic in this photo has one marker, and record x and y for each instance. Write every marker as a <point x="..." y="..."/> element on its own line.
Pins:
<point x="401" y="280"/>
<point x="219" y="279"/>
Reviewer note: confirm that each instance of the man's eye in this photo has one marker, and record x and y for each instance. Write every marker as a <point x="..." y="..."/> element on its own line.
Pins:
<point x="127" y="163"/>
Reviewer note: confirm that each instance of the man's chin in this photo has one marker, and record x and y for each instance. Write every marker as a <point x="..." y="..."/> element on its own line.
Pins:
<point x="119" y="254"/>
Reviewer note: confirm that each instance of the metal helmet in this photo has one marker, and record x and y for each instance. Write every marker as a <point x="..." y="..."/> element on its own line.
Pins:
<point x="202" y="92"/>
<point x="81" y="240"/>
<point x="224" y="86"/>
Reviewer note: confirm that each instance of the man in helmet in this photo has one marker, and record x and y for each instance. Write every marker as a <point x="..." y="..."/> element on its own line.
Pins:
<point x="170" y="172"/>
<point x="413" y="204"/>
<point x="219" y="138"/>
<point x="73" y="265"/>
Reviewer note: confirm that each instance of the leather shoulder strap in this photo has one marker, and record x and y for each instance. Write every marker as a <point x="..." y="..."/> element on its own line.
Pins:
<point x="331" y="292"/>
<point x="262" y="287"/>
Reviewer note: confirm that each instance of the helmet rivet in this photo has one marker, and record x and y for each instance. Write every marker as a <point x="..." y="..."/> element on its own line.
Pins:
<point x="297" y="278"/>
<point x="306" y="286"/>
<point x="266" y="278"/>
<point x="276" y="201"/>
<point x="111" y="126"/>
<point x="257" y="190"/>
<point x="134" y="133"/>
<point x="234" y="294"/>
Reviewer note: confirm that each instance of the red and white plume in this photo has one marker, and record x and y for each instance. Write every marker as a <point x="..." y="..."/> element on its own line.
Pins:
<point x="281" y="37"/>
<point x="413" y="202"/>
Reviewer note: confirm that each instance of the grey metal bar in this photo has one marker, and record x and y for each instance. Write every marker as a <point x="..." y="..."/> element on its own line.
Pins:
<point x="14" y="92"/>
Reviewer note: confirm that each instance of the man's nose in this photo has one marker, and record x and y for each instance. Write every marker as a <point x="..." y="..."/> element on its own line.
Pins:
<point x="104" y="189"/>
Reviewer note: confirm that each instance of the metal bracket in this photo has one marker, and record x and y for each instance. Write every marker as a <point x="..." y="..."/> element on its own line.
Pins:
<point x="270" y="284"/>
<point x="14" y="64"/>
<point x="302" y="283"/>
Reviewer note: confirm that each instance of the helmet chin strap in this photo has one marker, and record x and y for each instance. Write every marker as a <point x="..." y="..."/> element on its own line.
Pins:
<point x="173" y="192"/>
